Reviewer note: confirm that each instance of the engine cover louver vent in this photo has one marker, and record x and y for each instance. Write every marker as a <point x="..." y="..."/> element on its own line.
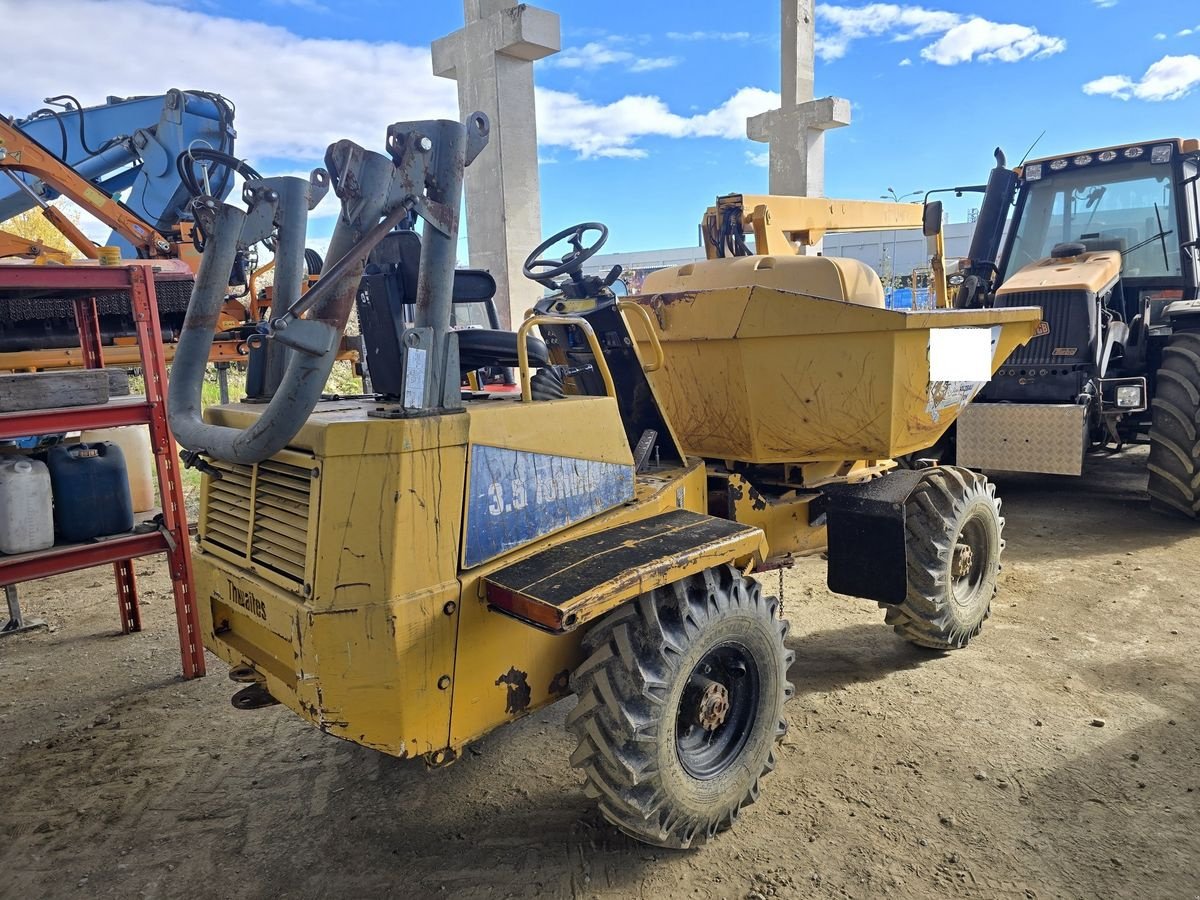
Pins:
<point x="261" y="514"/>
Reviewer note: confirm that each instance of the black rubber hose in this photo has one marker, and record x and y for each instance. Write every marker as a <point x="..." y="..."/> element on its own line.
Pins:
<point x="82" y="131"/>
<point x="312" y="261"/>
<point x="184" y="165"/>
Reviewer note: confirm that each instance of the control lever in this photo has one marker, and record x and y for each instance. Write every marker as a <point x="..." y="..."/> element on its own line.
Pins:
<point x="645" y="446"/>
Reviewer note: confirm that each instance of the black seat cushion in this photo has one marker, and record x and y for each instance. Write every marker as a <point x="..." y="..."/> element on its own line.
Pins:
<point x="481" y="348"/>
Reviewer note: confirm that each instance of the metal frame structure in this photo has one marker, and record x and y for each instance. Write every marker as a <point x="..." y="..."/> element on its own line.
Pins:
<point x="82" y="284"/>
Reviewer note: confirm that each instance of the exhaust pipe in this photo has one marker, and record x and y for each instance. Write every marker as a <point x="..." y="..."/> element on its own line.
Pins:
<point x="984" y="254"/>
<point x="372" y="188"/>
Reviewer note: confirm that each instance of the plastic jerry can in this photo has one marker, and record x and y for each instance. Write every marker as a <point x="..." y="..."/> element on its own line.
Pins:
<point x="91" y="491"/>
<point x="26" y="519"/>
<point x="134" y="441"/>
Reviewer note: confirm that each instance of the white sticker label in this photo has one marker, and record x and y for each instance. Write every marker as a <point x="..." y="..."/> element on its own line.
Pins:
<point x="414" y="378"/>
<point x="960" y="354"/>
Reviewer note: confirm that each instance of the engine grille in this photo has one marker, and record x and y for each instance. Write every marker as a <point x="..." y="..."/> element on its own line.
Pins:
<point x="261" y="514"/>
<point x="1066" y="313"/>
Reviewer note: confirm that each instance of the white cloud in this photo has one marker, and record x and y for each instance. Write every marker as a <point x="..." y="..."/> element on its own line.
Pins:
<point x="297" y="95"/>
<point x="650" y="64"/>
<point x="1118" y="86"/>
<point x="1160" y="37"/>
<point x="960" y="38"/>
<point x="1186" y="32"/>
<point x="294" y="95"/>
<point x="874" y="20"/>
<point x="1105" y="4"/>
<point x="1171" y="78"/>
<point x="762" y="160"/>
<point x="613" y="129"/>
<point x="708" y="35"/>
<point x="593" y="55"/>
<point x="990" y="42"/>
<point x="905" y="62"/>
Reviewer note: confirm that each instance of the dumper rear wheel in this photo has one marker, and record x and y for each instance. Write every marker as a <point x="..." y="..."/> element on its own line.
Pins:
<point x="680" y="706"/>
<point x="955" y="539"/>
<point x="1174" y="465"/>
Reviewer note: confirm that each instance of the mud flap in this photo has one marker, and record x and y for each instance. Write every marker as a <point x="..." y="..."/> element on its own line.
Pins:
<point x="868" y="555"/>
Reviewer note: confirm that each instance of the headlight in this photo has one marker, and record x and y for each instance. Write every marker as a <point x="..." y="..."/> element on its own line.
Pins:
<point x="1058" y="165"/>
<point x="1129" y="396"/>
<point x="1083" y="159"/>
<point x="1134" y="152"/>
<point x="1161" y="153"/>
<point x="1033" y="172"/>
<point x="1107" y="156"/>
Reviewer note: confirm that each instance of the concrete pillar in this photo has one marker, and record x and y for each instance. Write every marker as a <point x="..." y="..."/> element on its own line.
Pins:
<point x="492" y="61"/>
<point x="795" y="133"/>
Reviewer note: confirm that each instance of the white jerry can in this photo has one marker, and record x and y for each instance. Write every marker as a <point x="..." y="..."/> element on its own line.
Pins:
<point x="26" y="514"/>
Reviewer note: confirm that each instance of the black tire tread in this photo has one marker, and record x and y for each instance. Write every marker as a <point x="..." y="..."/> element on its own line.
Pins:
<point x="933" y="513"/>
<point x="630" y="655"/>
<point x="1174" y="466"/>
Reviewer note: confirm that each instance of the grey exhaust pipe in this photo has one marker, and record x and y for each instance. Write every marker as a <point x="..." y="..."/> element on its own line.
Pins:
<point x="424" y="175"/>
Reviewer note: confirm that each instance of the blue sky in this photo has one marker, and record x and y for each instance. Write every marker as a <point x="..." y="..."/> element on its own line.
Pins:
<point x="643" y="109"/>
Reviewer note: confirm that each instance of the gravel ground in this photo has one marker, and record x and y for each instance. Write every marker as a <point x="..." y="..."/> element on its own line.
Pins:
<point x="1055" y="757"/>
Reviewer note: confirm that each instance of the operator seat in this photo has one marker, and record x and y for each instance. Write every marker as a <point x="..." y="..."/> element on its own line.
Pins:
<point x="387" y="304"/>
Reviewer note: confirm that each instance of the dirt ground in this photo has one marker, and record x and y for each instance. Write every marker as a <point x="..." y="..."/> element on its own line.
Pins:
<point x="1056" y="757"/>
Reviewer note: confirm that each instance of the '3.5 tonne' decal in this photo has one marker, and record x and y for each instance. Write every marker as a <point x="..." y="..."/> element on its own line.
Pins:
<point x="516" y="497"/>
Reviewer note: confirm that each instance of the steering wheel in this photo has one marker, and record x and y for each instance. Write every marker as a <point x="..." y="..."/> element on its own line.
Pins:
<point x="544" y="271"/>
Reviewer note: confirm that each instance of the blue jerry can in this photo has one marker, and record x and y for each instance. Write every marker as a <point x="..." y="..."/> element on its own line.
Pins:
<point x="91" y="491"/>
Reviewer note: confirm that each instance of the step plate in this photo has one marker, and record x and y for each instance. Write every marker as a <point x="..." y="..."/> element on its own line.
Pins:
<point x="564" y="586"/>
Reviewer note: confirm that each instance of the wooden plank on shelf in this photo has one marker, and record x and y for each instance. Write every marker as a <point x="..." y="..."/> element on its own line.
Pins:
<point x="52" y="390"/>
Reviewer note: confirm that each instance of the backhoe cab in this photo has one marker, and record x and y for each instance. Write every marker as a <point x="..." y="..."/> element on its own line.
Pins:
<point x="412" y="569"/>
<point x="1105" y="242"/>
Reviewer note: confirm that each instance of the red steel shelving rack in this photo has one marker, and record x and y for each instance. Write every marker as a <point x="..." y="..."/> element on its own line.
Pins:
<point x="82" y="284"/>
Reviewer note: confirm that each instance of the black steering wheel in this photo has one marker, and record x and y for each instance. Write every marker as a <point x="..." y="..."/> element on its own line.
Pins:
<point x="544" y="271"/>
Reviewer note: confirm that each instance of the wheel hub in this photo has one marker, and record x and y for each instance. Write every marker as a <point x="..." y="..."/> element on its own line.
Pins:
<point x="717" y="710"/>
<point x="713" y="707"/>
<point x="964" y="557"/>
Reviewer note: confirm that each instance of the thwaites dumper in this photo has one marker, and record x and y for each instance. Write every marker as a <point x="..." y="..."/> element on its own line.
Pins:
<point x="1105" y="242"/>
<point x="412" y="569"/>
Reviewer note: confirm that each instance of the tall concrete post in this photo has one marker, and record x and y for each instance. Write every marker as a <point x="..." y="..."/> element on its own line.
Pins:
<point x="492" y="61"/>
<point x="795" y="133"/>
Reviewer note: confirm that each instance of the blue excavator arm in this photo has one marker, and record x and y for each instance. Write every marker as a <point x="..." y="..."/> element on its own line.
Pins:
<point x="131" y="145"/>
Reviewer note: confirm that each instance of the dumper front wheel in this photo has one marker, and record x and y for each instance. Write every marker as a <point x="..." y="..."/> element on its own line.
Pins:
<point x="954" y="530"/>
<point x="680" y="706"/>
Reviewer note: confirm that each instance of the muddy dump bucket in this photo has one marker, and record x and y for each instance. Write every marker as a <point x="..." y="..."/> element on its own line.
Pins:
<point x="765" y="375"/>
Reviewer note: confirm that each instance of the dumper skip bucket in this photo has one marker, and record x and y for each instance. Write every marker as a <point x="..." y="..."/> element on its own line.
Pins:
<point x="763" y="375"/>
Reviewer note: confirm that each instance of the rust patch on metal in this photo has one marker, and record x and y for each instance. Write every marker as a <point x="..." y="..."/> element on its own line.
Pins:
<point x="441" y="758"/>
<point x="656" y="300"/>
<point x="560" y="683"/>
<point x="519" y="693"/>
<point x="714" y="706"/>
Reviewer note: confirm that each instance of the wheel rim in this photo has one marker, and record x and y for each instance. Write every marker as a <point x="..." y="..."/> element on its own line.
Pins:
<point x="969" y="560"/>
<point x="717" y="710"/>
